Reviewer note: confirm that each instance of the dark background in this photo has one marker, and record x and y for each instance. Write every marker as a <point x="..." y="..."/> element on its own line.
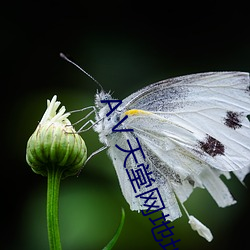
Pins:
<point x="125" y="45"/>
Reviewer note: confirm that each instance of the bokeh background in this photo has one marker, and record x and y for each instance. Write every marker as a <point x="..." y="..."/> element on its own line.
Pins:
<point x="125" y="45"/>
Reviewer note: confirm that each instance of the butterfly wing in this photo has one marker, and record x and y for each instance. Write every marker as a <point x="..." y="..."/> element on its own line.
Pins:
<point x="176" y="161"/>
<point x="193" y="128"/>
<point x="124" y="170"/>
<point x="210" y="109"/>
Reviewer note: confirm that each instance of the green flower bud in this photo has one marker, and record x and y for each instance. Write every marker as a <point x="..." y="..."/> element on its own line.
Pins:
<point x="55" y="144"/>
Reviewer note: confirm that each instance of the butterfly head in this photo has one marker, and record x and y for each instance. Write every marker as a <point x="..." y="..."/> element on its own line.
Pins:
<point x="101" y="96"/>
<point x="104" y="121"/>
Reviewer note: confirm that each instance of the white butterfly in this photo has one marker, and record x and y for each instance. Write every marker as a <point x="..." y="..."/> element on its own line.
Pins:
<point x="192" y="129"/>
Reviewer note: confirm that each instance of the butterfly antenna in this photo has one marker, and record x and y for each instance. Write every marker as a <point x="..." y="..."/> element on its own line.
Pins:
<point x="90" y="76"/>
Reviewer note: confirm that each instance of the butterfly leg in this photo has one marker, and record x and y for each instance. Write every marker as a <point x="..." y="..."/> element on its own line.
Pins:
<point x="86" y="116"/>
<point x="92" y="154"/>
<point x="81" y="129"/>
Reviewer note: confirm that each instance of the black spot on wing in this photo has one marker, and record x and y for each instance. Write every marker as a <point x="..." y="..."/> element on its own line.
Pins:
<point x="212" y="146"/>
<point x="233" y="119"/>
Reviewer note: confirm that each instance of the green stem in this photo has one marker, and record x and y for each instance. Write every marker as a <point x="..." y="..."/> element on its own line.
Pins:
<point x="54" y="177"/>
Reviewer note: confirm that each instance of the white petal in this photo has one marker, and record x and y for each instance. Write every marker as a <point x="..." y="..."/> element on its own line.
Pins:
<point x="202" y="230"/>
<point x="51" y="114"/>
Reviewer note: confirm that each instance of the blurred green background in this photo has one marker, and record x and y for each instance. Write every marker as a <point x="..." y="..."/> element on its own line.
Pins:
<point x="125" y="47"/>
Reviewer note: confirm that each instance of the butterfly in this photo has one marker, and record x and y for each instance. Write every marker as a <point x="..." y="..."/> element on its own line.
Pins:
<point x="192" y="130"/>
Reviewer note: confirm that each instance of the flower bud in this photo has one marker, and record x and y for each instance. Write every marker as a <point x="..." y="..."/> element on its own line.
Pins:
<point x="55" y="144"/>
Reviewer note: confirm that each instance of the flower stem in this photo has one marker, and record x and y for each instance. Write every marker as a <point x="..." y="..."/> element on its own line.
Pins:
<point x="54" y="177"/>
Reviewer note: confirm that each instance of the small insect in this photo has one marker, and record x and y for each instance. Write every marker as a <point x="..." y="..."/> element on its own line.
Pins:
<point x="192" y="129"/>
